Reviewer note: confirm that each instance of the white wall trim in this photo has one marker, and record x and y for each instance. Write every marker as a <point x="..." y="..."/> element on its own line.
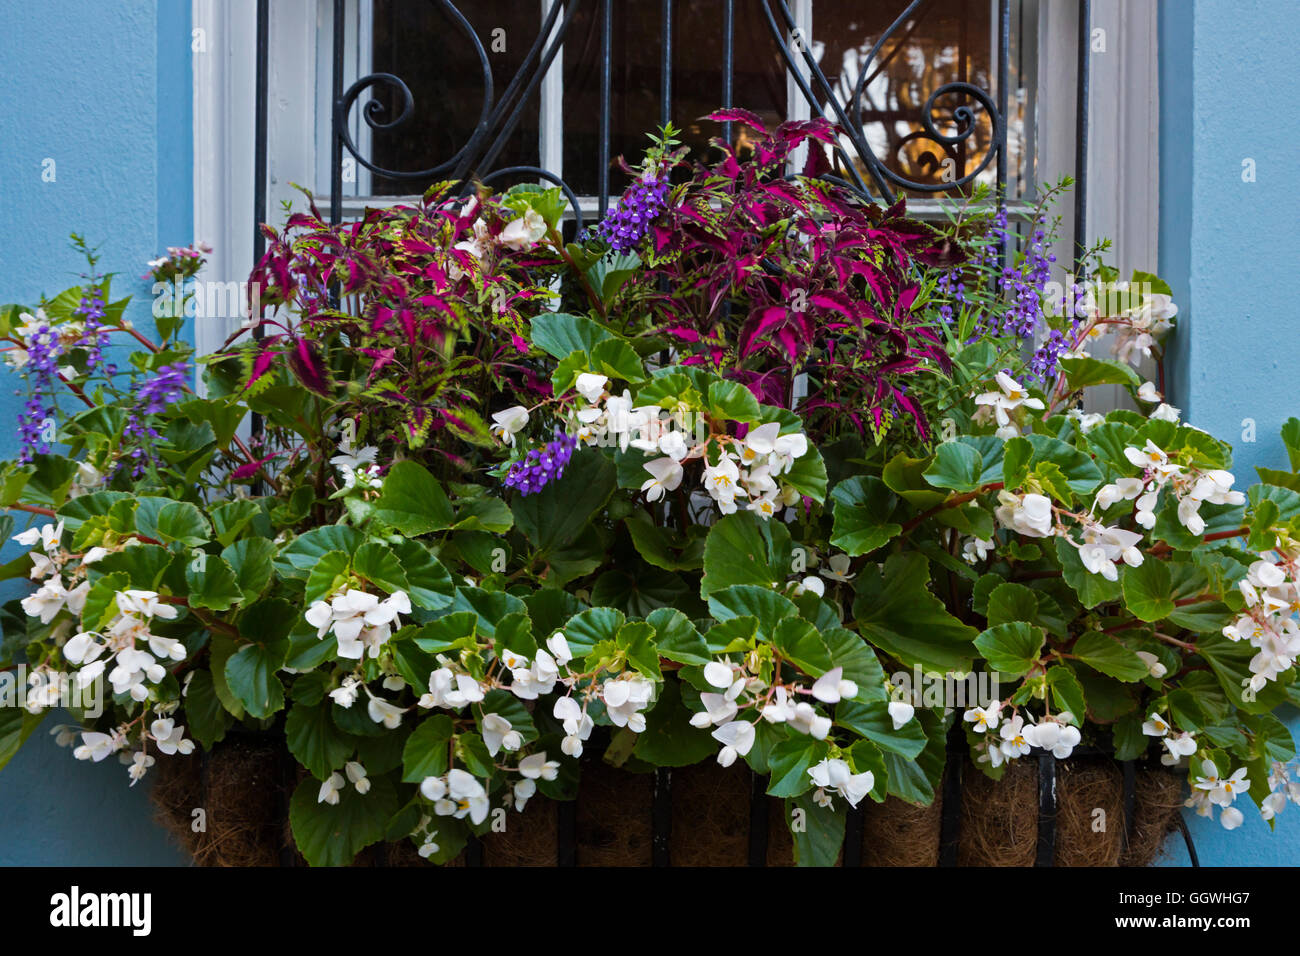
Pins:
<point x="224" y="92"/>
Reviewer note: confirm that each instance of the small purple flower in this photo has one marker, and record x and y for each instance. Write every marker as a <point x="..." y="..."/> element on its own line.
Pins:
<point x="152" y="396"/>
<point x="537" y="469"/>
<point x="629" y="221"/>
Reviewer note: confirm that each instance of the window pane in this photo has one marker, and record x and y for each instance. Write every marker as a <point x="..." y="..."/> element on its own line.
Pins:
<point x="417" y="42"/>
<point x="946" y="41"/>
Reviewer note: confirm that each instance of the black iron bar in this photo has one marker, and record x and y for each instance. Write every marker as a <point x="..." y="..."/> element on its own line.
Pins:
<point x="1082" y="91"/>
<point x="602" y="148"/>
<point x="728" y="60"/>
<point x="1046" y="852"/>
<point x="759" y="823"/>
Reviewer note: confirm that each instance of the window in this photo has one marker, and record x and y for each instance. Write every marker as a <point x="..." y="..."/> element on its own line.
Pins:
<point x="560" y="125"/>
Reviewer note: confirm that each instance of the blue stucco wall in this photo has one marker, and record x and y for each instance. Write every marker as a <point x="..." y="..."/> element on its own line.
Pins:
<point x="104" y="90"/>
<point x="1230" y="249"/>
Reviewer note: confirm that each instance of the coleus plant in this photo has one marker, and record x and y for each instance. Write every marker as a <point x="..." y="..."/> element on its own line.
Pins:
<point x="484" y="528"/>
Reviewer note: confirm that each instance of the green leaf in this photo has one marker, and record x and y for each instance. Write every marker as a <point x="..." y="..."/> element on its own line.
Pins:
<point x="872" y="721"/>
<point x="250" y="674"/>
<point x="315" y="740"/>
<point x="790" y="761"/>
<point x="303" y="553"/>
<point x="861" y="508"/>
<point x="1107" y="655"/>
<point x="743" y="549"/>
<point x="333" y="835"/>
<point x="956" y="465"/>
<point x="428" y="752"/>
<point x="413" y="501"/>
<point x="252" y="561"/>
<point x="732" y="401"/>
<point x="377" y="564"/>
<point x="206" y="719"/>
<point x="669" y="739"/>
<point x="183" y="522"/>
<point x="807" y="475"/>
<point x="819" y="840"/>
<point x="555" y="516"/>
<point x="1010" y="602"/>
<point x="328" y="574"/>
<point x="429" y="584"/>
<point x="1147" y="589"/>
<point x="1015" y="462"/>
<point x="677" y="637"/>
<point x="763" y="604"/>
<point x="231" y="518"/>
<point x="559" y="334"/>
<point x="215" y="586"/>
<point x="1067" y="693"/>
<point x="1086" y="372"/>
<point x="1011" y="649"/>
<point x="896" y="611"/>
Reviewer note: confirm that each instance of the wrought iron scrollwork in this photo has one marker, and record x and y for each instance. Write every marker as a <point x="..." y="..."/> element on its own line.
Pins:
<point x="497" y="118"/>
<point x="855" y="162"/>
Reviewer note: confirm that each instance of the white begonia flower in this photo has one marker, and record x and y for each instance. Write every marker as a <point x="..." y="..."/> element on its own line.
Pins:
<point x="811" y="583"/>
<point x="1231" y="818"/>
<point x="759" y="442"/>
<point x="523" y="232"/>
<point x="806" y="720"/>
<point x="170" y="738"/>
<point x="47" y="602"/>
<point x="624" y="699"/>
<point x="1272" y="805"/>
<point x="357" y="774"/>
<point x="765" y="506"/>
<point x="96" y="746"/>
<point x="1059" y="738"/>
<point x="591" y="386"/>
<point x="145" y="604"/>
<point x="977" y="549"/>
<point x="82" y="648"/>
<point x="1182" y="745"/>
<point x="331" y="789"/>
<point x="467" y="794"/>
<point x="1011" y="395"/>
<point x="537" y="767"/>
<point x="1029" y="515"/>
<point x="1151" y="458"/>
<point x="718" y="709"/>
<point x="719" y="674"/>
<point x="382" y="712"/>
<point x="356" y="464"/>
<point x="665" y="475"/>
<point x="900" y="712"/>
<point x="722" y="482"/>
<point x="1147" y="393"/>
<point x="832" y="687"/>
<point x="1155" y="726"/>
<point x="673" y="444"/>
<point x="1086" y="421"/>
<point x="577" y="725"/>
<point x="1015" y="743"/>
<point x="835" y="776"/>
<point x="837" y="568"/>
<point x="737" y="737"/>
<point x="984" y="718"/>
<point x="346" y="694"/>
<point x="433" y="788"/>
<point x="780" y="710"/>
<point x="498" y="734"/>
<point x="1166" y="413"/>
<point x="140" y="764"/>
<point x="523" y="792"/>
<point x="452" y="691"/>
<point x="559" y="647"/>
<point x="1154" y="667"/>
<point x="506" y="423"/>
<point x="48" y="535"/>
<point x="1124" y="489"/>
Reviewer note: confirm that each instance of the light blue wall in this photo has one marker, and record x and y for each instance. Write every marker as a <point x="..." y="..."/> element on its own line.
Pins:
<point x="104" y="90"/>
<point x="1231" y="251"/>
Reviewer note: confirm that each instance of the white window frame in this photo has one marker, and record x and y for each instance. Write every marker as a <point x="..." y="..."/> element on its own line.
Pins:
<point x="1124" y="118"/>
